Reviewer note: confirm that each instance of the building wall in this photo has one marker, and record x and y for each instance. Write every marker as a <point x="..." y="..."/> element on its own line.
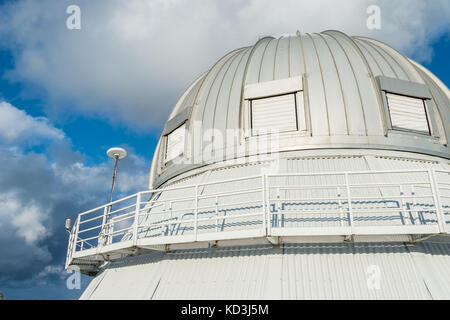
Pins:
<point x="294" y="271"/>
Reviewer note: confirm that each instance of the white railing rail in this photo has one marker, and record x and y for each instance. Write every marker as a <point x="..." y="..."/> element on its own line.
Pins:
<point x="326" y="203"/>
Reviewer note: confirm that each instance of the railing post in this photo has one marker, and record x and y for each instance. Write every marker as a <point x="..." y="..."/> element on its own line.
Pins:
<point x="70" y="249"/>
<point x="169" y="226"/>
<point x="136" y="218"/>
<point x="267" y="192"/>
<point x="77" y="228"/>
<point x="217" y="213"/>
<point x="103" y="229"/>
<point x="195" y="212"/>
<point x="437" y="200"/>
<point x="349" y="200"/>
<point x="403" y="209"/>
<point x="163" y="217"/>
<point x="278" y="207"/>
<point x="412" y="209"/>
<point x="263" y="194"/>
<point x="340" y="206"/>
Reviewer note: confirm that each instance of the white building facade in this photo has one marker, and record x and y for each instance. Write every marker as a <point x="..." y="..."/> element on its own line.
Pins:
<point x="310" y="166"/>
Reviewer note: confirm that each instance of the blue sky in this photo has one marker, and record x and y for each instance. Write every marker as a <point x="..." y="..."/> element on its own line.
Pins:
<point x="66" y="96"/>
<point x="95" y="147"/>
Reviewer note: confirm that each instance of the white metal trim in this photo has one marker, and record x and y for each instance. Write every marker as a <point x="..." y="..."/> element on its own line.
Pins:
<point x="272" y="88"/>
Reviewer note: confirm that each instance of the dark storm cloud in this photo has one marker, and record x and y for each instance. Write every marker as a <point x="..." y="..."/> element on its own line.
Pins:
<point x="38" y="191"/>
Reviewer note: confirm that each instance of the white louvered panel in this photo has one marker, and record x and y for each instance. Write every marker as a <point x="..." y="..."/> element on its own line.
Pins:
<point x="274" y="113"/>
<point x="175" y="143"/>
<point x="407" y="113"/>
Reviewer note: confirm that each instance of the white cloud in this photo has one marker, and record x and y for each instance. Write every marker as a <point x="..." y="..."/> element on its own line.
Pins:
<point x="17" y="126"/>
<point x="27" y="219"/>
<point x="89" y="180"/>
<point x="131" y="60"/>
<point x="51" y="271"/>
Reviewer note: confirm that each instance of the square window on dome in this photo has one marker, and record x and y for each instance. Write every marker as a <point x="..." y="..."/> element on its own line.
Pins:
<point x="407" y="113"/>
<point x="273" y="114"/>
<point x="175" y="143"/>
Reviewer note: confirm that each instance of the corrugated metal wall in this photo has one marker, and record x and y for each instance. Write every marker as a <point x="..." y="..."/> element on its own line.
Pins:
<point x="297" y="271"/>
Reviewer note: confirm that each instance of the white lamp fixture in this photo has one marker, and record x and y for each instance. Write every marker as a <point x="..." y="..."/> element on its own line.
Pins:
<point x="115" y="153"/>
<point x="68" y="223"/>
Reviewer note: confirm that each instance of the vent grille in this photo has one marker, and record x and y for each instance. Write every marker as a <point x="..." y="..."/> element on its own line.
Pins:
<point x="175" y="143"/>
<point x="407" y="113"/>
<point x="274" y="114"/>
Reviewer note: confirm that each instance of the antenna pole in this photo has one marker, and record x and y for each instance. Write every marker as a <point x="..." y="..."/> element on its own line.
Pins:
<point x="116" y="154"/>
<point x="116" y="158"/>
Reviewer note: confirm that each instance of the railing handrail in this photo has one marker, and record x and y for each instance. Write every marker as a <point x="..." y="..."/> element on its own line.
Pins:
<point x="254" y="177"/>
<point x="136" y="214"/>
<point x="324" y="173"/>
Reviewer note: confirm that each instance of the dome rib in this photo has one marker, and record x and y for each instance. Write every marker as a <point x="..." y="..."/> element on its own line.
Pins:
<point x="384" y="56"/>
<point x="233" y="83"/>
<point x="262" y="59"/>
<point x="192" y="90"/>
<point x="351" y="42"/>
<point x="289" y="57"/>
<point x="428" y="78"/>
<point x="347" y="119"/>
<point x="275" y="58"/>
<point x="244" y="78"/>
<point x="403" y="62"/>
<point x="220" y="92"/>
<point x="363" y="46"/>
<point x="323" y="83"/>
<point x="209" y="82"/>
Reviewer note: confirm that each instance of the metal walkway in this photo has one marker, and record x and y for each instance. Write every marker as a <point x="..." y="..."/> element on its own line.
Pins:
<point x="264" y="209"/>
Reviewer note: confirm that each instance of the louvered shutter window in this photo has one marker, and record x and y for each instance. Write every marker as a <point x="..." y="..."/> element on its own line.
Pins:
<point x="408" y="113"/>
<point x="273" y="114"/>
<point x="175" y="143"/>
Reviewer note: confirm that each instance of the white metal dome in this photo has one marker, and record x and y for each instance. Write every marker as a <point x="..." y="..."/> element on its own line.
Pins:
<point x="357" y="182"/>
<point x="342" y="79"/>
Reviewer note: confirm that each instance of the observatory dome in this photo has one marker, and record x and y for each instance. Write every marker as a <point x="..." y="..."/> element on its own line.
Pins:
<point x="295" y="168"/>
<point x="319" y="91"/>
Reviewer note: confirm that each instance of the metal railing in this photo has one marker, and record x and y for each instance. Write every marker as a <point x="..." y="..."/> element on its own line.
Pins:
<point x="270" y="205"/>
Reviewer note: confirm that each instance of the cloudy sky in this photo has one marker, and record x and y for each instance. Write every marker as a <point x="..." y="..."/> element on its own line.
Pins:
<point x="66" y="96"/>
